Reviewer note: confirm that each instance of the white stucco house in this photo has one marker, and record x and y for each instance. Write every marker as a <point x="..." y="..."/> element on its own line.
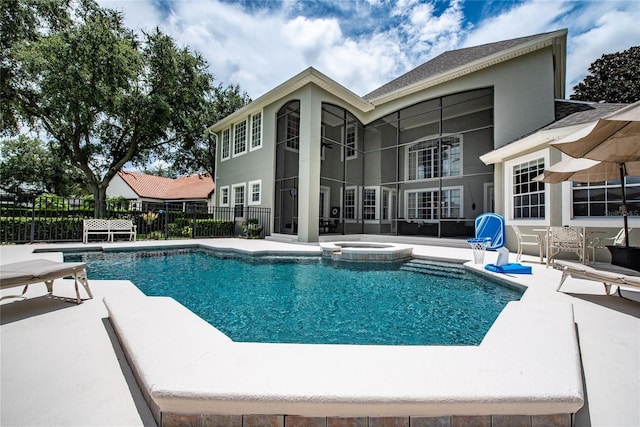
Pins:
<point x="401" y="160"/>
<point x="535" y="205"/>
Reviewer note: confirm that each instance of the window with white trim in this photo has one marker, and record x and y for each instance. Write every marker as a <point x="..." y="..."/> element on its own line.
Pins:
<point x="293" y="131"/>
<point x="224" y="196"/>
<point x="528" y="195"/>
<point x="255" y="192"/>
<point x="424" y="204"/>
<point x="256" y="131"/>
<point x="238" y="199"/>
<point x="451" y="204"/>
<point x="387" y="204"/>
<point x="350" y="203"/>
<point x="226" y="144"/>
<point x="424" y="158"/>
<point x="351" y="142"/>
<point x="603" y="199"/>
<point x="240" y="138"/>
<point x="369" y="203"/>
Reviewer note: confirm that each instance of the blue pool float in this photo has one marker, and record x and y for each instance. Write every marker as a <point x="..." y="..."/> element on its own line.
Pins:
<point x="513" y="268"/>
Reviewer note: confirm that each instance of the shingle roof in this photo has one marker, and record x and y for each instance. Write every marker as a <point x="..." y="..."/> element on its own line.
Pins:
<point x="156" y="187"/>
<point x="448" y="61"/>
<point x="570" y="113"/>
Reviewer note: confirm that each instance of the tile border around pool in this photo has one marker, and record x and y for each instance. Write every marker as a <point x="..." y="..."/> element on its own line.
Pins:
<point x="527" y="365"/>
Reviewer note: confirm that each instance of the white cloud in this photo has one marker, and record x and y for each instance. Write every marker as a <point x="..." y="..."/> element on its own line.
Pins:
<point x="312" y="34"/>
<point x="522" y="19"/>
<point x="614" y="31"/>
<point x="261" y="48"/>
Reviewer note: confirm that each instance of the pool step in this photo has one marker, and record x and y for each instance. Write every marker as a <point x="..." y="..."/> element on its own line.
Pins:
<point x="434" y="268"/>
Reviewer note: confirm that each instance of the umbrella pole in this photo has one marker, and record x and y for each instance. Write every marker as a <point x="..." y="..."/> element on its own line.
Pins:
<point x="623" y="173"/>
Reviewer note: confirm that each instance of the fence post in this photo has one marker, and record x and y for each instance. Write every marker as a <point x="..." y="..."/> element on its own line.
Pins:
<point x="32" y="234"/>
<point x="193" y="232"/>
<point x="166" y="220"/>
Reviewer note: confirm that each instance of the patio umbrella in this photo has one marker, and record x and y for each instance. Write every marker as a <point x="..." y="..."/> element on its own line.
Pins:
<point x="614" y="139"/>
<point x="585" y="170"/>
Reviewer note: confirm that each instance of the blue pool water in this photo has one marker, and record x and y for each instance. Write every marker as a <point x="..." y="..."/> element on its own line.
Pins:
<point x="310" y="300"/>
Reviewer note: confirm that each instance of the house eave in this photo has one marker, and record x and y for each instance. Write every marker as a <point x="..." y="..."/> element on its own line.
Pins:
<point x="308" y="76"/>
<point x="535" y="141"/>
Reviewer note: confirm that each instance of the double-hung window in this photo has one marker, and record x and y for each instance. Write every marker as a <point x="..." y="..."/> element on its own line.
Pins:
<point x="256" y="131"/>
<point x="255" y="192"/>
<point x="424" y="204"/>
<point x="451" y="203"/>
<point x="528" y="195"/>
<point x="350" y="203"/>
<point x="238" y="200"/>
<point x="226" y="144"/>
<point x="240" y="138"/>
<point x="369" y="207"/>
<point x="434" y="158"/>
<point x="293" y="131"/>
<point x="224" y="196"/>
<point x="386" y="204"/>
<point x="351" y="142"/>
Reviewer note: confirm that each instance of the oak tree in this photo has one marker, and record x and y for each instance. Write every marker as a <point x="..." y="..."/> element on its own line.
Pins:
<point x="613" y="78"/>
<point x="105" y="95"/>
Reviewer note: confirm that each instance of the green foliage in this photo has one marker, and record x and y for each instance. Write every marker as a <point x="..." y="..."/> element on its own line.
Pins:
<point x="28" y="165"/>
<point x="197" y="154"/>
<point x="23" y="21"/>
<point x="103" y="94"/>
<point x="46" y="229"/>
<point x="612" y="78"/>
<point x="252" y="228"/>
<point x="213" y="227"/>
<point x="51" y="202"/>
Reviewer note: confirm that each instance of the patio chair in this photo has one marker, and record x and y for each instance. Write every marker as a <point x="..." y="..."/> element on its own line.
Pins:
<point x="602" y="242"/>
<point x="528" y="240"/>
<point x="565" y="239"/>
<point x="43" y="270"/>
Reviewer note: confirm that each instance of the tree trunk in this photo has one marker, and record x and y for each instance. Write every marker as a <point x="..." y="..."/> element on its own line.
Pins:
<point x="100" y="199"/>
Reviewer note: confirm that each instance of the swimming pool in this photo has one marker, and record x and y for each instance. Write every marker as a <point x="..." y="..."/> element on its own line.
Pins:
<point x="310" y="300"/>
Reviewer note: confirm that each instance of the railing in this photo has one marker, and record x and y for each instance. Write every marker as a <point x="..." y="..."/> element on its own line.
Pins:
<point x="29" y="219"/>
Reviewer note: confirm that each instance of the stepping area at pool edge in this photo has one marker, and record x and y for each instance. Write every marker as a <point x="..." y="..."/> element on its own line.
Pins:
<point x="530" y="351"/>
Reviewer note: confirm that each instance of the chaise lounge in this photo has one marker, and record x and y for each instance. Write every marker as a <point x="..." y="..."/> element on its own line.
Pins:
<point x="608" y="274"/>
<point x="43" y="270"/>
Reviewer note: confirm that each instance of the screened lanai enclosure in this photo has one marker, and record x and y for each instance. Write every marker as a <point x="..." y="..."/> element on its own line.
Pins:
<point x="412" y="172"/>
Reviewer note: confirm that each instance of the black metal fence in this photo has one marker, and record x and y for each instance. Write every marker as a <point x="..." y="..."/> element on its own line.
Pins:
<point x="30" y="219"/>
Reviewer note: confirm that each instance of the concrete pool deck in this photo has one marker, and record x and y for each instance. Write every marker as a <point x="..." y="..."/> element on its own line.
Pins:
<point x="62" y="364"/>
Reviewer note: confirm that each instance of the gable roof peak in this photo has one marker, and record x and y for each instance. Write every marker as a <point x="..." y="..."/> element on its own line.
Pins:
<point x="454" y="63"/>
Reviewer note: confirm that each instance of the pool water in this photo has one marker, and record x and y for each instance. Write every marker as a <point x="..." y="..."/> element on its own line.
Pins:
<point x="311" y="300"/>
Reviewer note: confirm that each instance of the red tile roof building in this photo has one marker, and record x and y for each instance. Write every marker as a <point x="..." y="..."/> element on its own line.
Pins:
<point x="133" y="185"/>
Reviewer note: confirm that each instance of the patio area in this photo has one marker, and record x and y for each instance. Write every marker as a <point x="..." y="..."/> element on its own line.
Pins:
<point x="62" y="363"/>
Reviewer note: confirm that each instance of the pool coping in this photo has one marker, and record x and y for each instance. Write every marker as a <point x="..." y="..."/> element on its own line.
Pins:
<point x="527" y="364"/>
<point x="366" y="251"/>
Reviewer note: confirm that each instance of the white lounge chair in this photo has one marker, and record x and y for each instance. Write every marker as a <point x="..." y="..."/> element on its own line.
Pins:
<point x="43" y="270"/>
<point x="608" y="274"/>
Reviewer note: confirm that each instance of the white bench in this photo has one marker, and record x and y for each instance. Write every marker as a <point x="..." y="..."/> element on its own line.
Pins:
<point x="122" y="226"/>
<point x="109" y="227"/>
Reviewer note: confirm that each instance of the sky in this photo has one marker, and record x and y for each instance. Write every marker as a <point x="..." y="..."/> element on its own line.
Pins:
<point x="362" y="44"/>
